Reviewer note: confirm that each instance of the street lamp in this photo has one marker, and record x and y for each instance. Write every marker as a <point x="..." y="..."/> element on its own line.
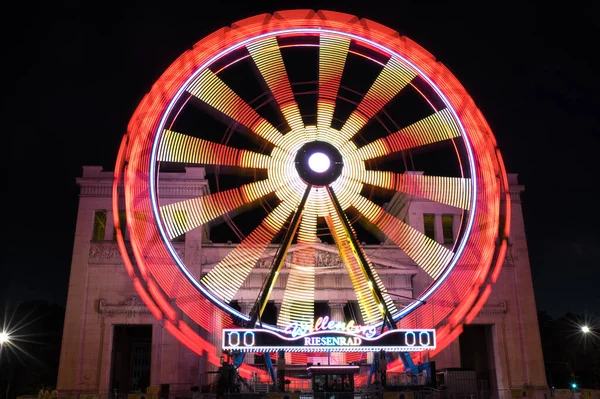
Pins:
<point x="4" y="337"/>
<point x="585" y="329"/>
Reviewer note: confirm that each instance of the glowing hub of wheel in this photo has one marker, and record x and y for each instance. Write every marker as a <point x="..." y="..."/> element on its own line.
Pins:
<point x="319" y="162"/>
<point x="331" y="144"/>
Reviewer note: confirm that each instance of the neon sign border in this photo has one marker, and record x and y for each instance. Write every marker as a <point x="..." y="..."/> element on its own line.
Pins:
<point x="309" y="349"/>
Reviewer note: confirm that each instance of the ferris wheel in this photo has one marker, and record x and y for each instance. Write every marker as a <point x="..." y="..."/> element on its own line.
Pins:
<point x="314" y="127"/>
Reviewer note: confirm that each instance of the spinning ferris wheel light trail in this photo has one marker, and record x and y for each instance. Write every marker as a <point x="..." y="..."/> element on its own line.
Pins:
<point x="324" y="157"/>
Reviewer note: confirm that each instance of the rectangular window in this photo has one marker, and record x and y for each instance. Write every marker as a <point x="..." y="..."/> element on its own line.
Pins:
<point x="429" y="225"/>
<point x="122" y="224"/>
<point x="99" y="225"/>
<point x="447" y="222"/>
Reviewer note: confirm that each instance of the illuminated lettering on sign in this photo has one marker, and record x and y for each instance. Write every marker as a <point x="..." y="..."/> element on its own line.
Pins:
<point x="329" y="341"/>
<point x="260" y="340"/>
<point x="325" y="324"/>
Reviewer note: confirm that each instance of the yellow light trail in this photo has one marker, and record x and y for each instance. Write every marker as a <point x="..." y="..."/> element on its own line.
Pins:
<point x="439" y="126"/>
<point x="228" y="276"/>
<point x="430" y="255"/>
<point x="181" y="148"/>
<point x="332" y="59"/>
<point x="391" y="80"/>
<point x="365" y="294"/>
<point x="213" y="91"/>
<point x="183" y="216"/>
<point x="299" y="296"/>
<point x="453" y="191"/>
<point x="267" y="57"/>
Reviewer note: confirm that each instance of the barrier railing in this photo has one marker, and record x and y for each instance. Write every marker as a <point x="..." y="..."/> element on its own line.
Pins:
<point x="303" y="390"/>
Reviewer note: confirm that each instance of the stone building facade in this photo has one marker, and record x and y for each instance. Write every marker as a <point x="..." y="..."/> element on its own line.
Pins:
<point x="104" y="317"/>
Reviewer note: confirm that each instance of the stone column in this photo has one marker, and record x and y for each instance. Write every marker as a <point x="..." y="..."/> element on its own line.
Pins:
<point x="193" y="252"/>
<point x="337" y="310"/>
<point x="110" y="226"/>
<point x="439" y="228"/>
<point x="455" y="225"/>
<point x="246" y="308"/>
<point x="288" y="355"/>
<point x="337" y="314"/>
<point x="216" y="340"/>
<point x="278" y="307"/>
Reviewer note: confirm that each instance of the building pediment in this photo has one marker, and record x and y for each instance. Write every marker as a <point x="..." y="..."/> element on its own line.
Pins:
<point x="327" y="257"/>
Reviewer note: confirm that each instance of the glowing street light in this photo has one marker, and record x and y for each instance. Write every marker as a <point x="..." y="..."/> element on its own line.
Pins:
<point x="4" y="337"/>
<point x="585" y="329"/>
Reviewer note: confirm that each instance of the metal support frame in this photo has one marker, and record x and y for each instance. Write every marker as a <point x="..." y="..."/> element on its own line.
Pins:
<point x="364" y="265"/>
<point x="267" y="288"/>
<point x="361" y="259"/>
<point x="261" y="303"/>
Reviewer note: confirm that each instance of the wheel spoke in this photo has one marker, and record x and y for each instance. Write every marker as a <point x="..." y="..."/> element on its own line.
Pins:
<point x="431" y="256"/>
<point x="453" y="191"/>
<point x="393" y="78"/>
<point x="267" y="57"/>
<point x="299" y="296"/>
<point x="227" y="277"/>
<point x="361" y="271"/>
<point x="267" y="288"/>
<point x="181" y="148"/>
<point x="436" y="127"/>
<point x="332" y="59"/>
<point x="181" y="217"/>
<point x="213" y="91"/>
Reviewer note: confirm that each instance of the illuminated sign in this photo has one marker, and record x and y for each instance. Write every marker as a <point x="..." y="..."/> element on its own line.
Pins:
<point x="259" y="340"/>
<point x="325" y="324"/>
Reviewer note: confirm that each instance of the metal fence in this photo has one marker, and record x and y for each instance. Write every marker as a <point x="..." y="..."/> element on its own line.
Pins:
<point x="305" y="395"/>
<point x="302" y="390"/>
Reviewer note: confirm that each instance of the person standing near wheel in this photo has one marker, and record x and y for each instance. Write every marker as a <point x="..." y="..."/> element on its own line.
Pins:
<point x="41" y="393"/>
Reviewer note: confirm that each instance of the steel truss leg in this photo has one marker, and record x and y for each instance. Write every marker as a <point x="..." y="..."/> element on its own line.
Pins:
<point x="361" y="259"/>
<point x="261" y="303"/>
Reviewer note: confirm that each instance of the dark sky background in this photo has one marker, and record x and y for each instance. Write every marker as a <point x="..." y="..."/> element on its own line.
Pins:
<point x="74" y="72"/>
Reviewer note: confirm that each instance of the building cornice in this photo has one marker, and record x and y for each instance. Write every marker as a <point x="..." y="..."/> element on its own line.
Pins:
<point x="107" y="253"/>
<point x="130" y="307"/>
<point x="181" y="188"/>
<point x="191" y="183"/>
<point x="494" y="309"/>
<point x="327" y="257"/>
<point x="515" y="190"/>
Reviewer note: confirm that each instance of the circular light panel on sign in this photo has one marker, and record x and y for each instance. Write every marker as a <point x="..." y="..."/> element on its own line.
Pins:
<point x="319" y="162"/>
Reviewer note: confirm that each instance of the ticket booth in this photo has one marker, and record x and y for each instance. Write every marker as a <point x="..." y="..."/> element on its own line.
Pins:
<point x="332" y="380"/>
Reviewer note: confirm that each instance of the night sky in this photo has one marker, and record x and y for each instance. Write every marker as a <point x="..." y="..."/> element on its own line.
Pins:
<point x="73" y="73"/>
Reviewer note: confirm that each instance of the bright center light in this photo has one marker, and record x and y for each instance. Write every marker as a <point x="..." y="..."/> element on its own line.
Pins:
<point x="3" y="337"/>
<point x="585" y="329"/>
<point x="319" y="162"/>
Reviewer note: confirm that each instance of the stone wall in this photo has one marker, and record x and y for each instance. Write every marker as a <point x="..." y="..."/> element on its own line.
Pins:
<point x="101" y="295"/>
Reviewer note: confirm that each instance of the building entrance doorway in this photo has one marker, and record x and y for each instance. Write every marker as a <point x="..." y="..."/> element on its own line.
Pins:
<point x="131" y="358"/>
<point x="477" y="354"/>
